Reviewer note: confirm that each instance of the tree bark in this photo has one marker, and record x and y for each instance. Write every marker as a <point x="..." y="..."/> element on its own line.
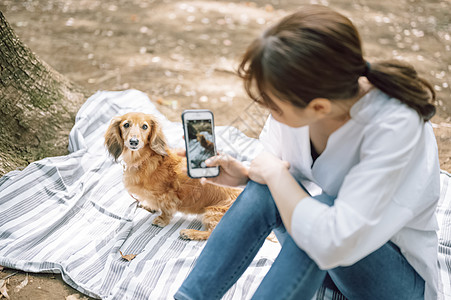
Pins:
<point x="37" y="104"/>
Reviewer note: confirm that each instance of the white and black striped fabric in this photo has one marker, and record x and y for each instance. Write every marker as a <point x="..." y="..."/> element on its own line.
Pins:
<point x="444" y="234"/>
<point x="72" y="215"/>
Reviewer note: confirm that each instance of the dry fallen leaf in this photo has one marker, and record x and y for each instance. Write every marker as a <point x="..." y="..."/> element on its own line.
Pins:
<point x="22" y="284"/>
<point x="172" y="103"/>
<point x="269" y="8"/>
<point x="128" y="257"/>
<point x="3" y="289"/>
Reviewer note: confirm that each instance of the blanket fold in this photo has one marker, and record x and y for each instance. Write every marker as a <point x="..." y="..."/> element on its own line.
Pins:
<point x="72" y="215"/>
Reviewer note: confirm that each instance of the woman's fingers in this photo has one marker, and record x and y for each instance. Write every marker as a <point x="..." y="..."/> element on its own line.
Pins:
<point x="180" y="152"/>
<point x="214" y="161"/>
<point x="221" y="160"/>
<point x="204" y="181"/>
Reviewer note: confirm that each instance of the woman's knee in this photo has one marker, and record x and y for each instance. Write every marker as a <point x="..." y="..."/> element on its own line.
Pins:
<point x="256" y="193"/>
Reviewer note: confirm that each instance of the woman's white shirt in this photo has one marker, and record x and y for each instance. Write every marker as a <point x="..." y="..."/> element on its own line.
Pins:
<point x="382" y="167"/>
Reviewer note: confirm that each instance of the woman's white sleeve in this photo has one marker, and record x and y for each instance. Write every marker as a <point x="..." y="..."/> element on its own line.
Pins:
<point x="366" y="213"/>
<point x="269" y="135"/>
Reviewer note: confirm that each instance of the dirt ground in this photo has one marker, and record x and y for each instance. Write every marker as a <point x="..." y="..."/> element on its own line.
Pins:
<point x="183" y="54"/>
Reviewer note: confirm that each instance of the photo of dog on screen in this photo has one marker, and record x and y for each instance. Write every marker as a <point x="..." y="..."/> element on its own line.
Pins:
<point x="200" y="142"/>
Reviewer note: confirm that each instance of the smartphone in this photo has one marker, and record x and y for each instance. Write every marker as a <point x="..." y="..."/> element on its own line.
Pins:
<point x="198" y="127"/>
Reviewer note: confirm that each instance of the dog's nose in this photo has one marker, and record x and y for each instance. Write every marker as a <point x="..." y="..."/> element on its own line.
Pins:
<point x="134" y="142"/>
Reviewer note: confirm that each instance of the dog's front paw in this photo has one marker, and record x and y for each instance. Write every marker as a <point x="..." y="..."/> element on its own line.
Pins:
<point x="160" y="221"/>
<point x="186" y="234"/>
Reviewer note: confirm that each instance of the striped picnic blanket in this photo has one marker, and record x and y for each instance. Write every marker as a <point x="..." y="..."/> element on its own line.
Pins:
<point x="72" y="215"/>
<point x="444" y="235"/>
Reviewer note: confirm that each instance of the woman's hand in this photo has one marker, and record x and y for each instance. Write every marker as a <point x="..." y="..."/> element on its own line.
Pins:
<point x="266" y="166"/>
<point x="232" y="172"/>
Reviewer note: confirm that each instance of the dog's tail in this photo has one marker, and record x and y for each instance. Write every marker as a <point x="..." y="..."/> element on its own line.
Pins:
<point x="233" y="193"/>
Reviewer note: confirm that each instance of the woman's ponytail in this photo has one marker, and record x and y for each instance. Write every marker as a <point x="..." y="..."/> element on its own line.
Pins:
<point x="400" y="80"/>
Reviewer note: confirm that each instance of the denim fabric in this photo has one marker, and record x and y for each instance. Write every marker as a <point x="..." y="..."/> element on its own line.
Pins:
<point x="384" y="274"/>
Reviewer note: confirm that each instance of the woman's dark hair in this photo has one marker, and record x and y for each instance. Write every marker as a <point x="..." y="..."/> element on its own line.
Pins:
<point x="317" y="53"/>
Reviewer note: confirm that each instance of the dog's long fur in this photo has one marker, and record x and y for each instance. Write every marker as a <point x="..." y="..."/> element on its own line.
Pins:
<point x="153" y="175"/>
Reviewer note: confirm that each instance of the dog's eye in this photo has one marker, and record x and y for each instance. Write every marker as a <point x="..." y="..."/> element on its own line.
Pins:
<point x="145" y="126"/>
<point x="126" y="125"/>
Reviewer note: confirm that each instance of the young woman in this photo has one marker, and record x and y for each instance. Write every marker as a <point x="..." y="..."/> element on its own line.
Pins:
<point x="360" y="133"/>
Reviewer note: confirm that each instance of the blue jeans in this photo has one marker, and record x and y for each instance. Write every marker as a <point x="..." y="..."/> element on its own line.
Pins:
<point x="383" y="274"/>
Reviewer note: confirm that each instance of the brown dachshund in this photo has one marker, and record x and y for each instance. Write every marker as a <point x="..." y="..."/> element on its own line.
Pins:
<point x="206" y="144"/>
<point x="153" y="174"/>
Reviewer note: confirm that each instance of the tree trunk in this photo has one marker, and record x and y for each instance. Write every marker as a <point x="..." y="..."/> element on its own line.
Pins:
<point x="37" y="104"/>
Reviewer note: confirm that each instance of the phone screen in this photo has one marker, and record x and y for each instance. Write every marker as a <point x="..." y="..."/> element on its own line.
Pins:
<point x="200" y="143"/>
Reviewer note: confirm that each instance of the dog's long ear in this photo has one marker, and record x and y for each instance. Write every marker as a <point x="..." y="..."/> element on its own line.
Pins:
<point x="113" y="138"/>
<point x="157" y="140"/>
